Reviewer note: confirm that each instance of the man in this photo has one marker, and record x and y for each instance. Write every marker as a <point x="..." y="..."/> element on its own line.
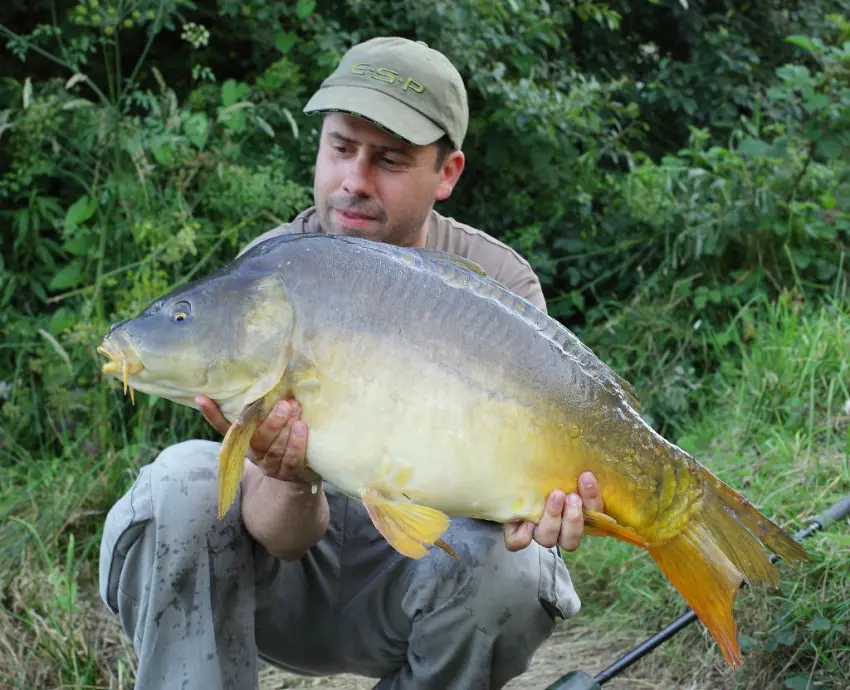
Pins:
<point x="301" y="578"/>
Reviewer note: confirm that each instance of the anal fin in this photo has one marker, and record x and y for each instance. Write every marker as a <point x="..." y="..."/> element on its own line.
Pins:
<point x="410" y="529"/>
<point x="601" y="525"/>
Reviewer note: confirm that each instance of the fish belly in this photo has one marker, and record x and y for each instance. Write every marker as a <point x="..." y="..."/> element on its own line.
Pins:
<point x="385" y="416"/>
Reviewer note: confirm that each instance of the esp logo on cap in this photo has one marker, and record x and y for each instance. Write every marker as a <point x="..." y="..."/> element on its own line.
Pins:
<point x="387" y="75"/>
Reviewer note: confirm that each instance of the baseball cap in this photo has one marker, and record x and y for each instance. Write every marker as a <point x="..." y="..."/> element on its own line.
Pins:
<point x="403" y="86"/>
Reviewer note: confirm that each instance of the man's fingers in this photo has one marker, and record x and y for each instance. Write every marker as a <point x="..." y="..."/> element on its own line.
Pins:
<point x="212" y="414"/>
<point x="549" y="526"/>
<point x="271" y="435"/>
<point x="518" y="534"/>
<point x="294" y="455"/>
<point x="591" y="496"/>
<point x="572" y="527"/>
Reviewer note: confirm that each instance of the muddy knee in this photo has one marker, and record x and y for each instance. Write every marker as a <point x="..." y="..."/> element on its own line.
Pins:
<point x="168" y="516"/>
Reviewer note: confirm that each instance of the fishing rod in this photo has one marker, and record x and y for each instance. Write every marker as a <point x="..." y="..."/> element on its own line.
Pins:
<point x="579" y="680"/>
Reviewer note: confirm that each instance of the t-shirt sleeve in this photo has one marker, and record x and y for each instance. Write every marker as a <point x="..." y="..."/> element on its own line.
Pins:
<point x="284" y="229"/>
<point x="520" y="279"/>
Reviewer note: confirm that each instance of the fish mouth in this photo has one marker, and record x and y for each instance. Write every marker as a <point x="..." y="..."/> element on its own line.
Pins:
<point x="123" y="362"/>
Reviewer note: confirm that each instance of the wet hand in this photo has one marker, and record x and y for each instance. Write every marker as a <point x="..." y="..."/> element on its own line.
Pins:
<point x="562" y="522"/>
<point x="278" y="446"/>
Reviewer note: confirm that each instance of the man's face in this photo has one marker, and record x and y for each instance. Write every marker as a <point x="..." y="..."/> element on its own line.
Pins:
<point x="370" y="184"/>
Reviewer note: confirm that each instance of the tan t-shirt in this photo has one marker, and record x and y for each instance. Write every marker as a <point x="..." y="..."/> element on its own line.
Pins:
<point x="499" y="261"/>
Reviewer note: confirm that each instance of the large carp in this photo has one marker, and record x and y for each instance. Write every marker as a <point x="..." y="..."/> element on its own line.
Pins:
<point x="431" y="392"/>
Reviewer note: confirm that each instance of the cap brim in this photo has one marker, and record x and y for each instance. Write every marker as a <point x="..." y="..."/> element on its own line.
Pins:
<point x="392" y="115"/>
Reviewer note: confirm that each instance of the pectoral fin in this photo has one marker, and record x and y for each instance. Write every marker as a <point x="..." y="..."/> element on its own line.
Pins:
<point x="601" y="525"/>
<point x="231" y="457"/>
<point x="411" y="529"/>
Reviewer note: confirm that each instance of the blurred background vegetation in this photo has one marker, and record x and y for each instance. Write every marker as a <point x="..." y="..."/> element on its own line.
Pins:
<point x="677" y="171"/>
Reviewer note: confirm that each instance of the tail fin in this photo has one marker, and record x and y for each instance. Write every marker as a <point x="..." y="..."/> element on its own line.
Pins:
<point x="720" y="548"/>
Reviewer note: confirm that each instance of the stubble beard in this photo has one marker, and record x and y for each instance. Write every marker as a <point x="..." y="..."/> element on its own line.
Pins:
<point x="406" y="233"/>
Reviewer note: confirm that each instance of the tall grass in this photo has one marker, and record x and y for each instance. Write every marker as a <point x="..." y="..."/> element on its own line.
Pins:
<point x="775" y="425"/>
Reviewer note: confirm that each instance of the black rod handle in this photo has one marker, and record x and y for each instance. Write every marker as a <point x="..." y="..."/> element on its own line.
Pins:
<point x="837" y="512"/>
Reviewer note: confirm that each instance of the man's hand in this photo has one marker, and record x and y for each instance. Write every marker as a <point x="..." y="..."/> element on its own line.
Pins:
<point x="562" y="522"/>
<point x="278" y="446"/>
<point x="279" y="508"/>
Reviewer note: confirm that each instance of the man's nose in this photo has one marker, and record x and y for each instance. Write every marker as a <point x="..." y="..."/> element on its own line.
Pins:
<point x="358" y="177"/>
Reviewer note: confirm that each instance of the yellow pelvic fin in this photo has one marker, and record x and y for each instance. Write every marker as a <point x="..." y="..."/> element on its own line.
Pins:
<point x="601" y="525"/>
<point x="411" y="529"/>
<point x="231" y="457"/>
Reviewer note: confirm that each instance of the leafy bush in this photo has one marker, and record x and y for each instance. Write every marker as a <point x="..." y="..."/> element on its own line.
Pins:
<point x="674" y="170"/>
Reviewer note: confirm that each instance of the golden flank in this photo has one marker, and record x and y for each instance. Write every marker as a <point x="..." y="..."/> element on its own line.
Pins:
<point x="431" y="392"/>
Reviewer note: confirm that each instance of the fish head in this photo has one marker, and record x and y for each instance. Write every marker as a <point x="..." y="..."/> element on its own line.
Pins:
<point x="225" y="336"/>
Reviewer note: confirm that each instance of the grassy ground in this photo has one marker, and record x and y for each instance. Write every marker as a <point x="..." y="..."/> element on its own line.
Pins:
<point x="775" y="424"/>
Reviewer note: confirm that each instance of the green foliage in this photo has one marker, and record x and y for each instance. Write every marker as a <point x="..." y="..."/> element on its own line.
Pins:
<point x="676" y="172"/>
<point x="711" y="228"/>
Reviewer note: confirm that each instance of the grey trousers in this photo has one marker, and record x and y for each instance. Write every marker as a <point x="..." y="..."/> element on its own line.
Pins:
<point x="202" y="601"/>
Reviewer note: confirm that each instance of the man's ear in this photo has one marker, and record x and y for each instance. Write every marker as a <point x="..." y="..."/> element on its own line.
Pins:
<point x="450" y="174"/>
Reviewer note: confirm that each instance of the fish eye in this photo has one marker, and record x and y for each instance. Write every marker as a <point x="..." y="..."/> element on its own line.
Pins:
<point x="181" y="311"/>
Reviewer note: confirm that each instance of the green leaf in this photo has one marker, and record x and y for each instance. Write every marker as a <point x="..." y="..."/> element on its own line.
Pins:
<point x="816" y="102"/>
<point x="22" y="221"/>
<point x="232" y="91"/>
<point x="163" y="152"/>
<point x="45" y="256"/>
<point x="197" y="128"/>
<point x="68" y="277"/>
<point x="304" y="8"/>
<point x="284" y="41"/>
<point x="79" y="212"/>
<point x="746" y="642"/>
<point x="802" y="681"/>
<point x="820" y="623"/>
<point x="754" y="147"/>
<point x="38" y="289"/>
<point x="802" y="258"/>
<point x="829" y="147"/>
<point x="777" y="93"/>
<point x="9" y="291"/>
<point x="797" y="75"/>
<point x="62" y="318"/>
<point x="801" y="42"/>
<point x="79" y="244"/>
<point x="786" y="637"/>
